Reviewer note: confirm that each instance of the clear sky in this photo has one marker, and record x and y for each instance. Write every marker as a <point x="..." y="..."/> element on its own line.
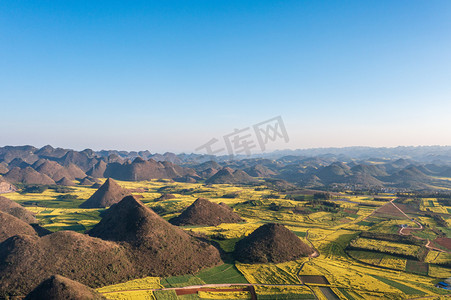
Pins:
<point x="170" y="75"/>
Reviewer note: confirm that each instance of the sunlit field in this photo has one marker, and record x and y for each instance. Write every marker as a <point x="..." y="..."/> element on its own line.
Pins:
<point x="352" y="267"/>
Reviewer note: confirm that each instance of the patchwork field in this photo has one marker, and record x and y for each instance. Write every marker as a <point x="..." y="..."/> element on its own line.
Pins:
<point x="346" y="265"/>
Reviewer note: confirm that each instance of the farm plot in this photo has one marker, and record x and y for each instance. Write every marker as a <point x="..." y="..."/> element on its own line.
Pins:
<point x="328" y="293"/>
<point x="68" y="219"/>
<point x="131" y="295"/>
<point x="165" y="295"/>
<point x="180" y="281"/>
<point x="431" y="204"/>
<point x="436" y="257"/>
<point x="313" y="279"/>
<point x="391" y="226"/>
<point x="417" y="267"/>
<point x="226" y="273"/>
<point x="284" y="273"/>
<point x="359" y="278"/>
<point x="372" y="258"/>
<point x="393" y="262"/>
<point x="285" y="292"/>
<point x="388" y="211"/>
<point x="137" y="284"/>
<point x="379" y="259"/>
<point x="443" y="242"/>
<point x="408" y="290"/>
<point x="439" y="272"/>
<point x="134" y="289"/>
<point x="386" y="247"/>
<point x="218" y="295"/>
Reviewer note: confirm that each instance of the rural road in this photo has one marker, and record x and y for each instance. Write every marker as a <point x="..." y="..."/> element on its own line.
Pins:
<point x="311" y="256"/>
<point x="200" y="286"/>
<point x="400" y="210"/>
<point x="228" y="285"/>
<point x="433" y="248"/>
<point x="411" y="228"/>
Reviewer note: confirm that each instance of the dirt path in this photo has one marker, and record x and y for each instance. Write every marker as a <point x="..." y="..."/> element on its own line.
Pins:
<point x="433" y="248"/>
<point x="250" y="289"/>
<point x="227" y="286"/>
<point x="311" y="256"/>
<point x="181" y="292"/>
<point x="208" y="286"/>
<point x="410" y="228"/>
<point x="329" y="294"/>
<point x="314" y="254"/>
<point x="377" y="209"/>
<point x="401" y="231"/>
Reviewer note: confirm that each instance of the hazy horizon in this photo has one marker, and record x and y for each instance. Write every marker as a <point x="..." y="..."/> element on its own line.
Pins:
<point x="194" y="152"/>
<point x="171" y="75"/>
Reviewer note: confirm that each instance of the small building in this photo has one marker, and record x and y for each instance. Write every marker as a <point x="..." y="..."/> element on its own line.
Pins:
<point x="443" y="285"/>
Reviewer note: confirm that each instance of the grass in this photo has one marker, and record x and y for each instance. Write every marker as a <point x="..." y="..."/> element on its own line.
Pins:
<point x="165" y="295"/>
<point x="361" y="279"/>
<point x="417" y="267"/>
<point x="226" y="273"/>
<point x="373" y="258"/>
<point x="391" y="226"/>
<point x="300" y="233"/>
<point x="365" y="223"/>
<point x="379" y="259"/>
<point x="386" y="247"/>
<point x="75" y="219"/>
<point x="329" y="232"/>
<point x="180" y="281"/>
<point x="346" y="294"/>
<point x="402" y="287"/>
<point x="228" y="245"/>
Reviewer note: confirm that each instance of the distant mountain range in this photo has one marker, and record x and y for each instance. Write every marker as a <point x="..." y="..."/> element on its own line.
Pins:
<point x="354" y="168"/>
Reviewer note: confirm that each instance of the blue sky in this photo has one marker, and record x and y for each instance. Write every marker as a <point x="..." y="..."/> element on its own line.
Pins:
<point x="171" y="75"/>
